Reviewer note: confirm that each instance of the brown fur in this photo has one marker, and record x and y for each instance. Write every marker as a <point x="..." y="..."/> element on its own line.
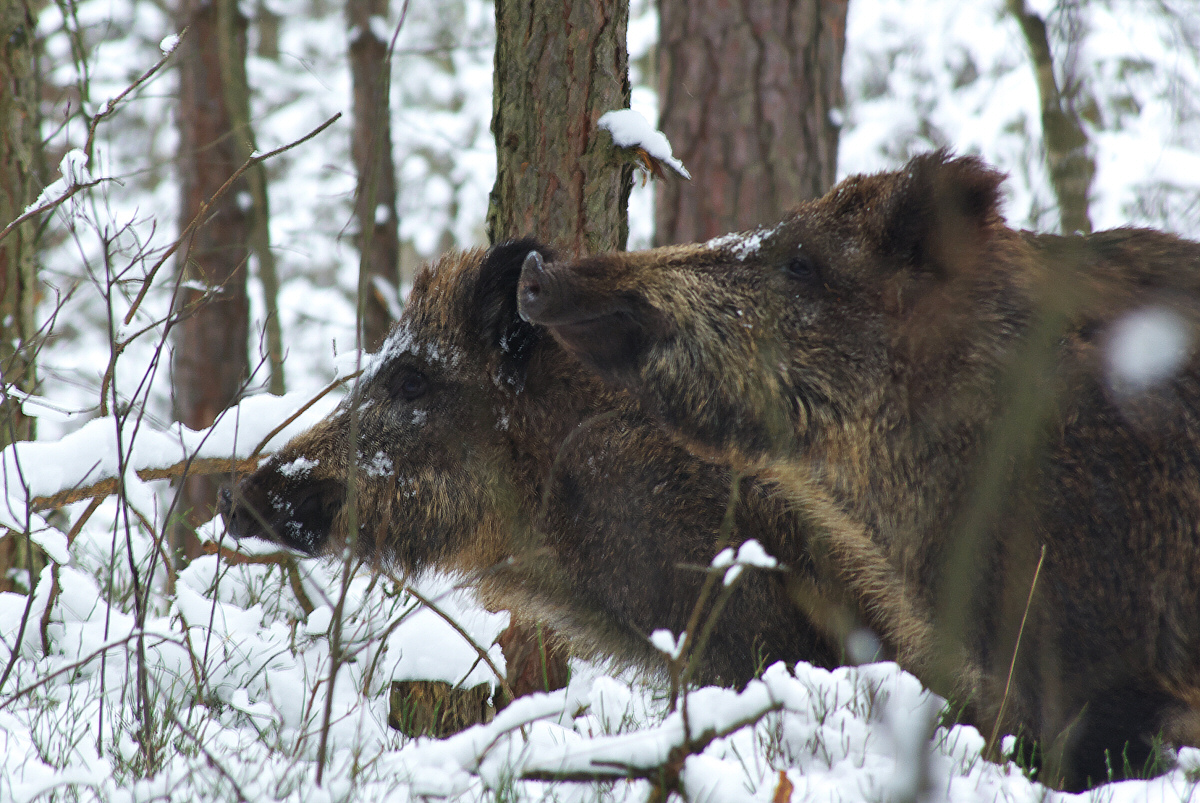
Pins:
<point x="943" y="379"/>
<point x="475" y="444"/>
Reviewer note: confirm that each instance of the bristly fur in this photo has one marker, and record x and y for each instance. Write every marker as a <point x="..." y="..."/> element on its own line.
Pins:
<point x="941" y="377"/>
<point x="480" y="446"/>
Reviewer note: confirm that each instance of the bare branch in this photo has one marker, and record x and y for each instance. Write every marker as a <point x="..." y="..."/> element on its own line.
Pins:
<point x="202" y="215"/>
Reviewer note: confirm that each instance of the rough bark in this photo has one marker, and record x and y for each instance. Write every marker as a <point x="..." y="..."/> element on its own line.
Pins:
<point x="748" y="92"/>
<point x="19" y="143"/>
<point x="558" y="68"/>
<point x="371" y="148"/>
<point x="210" y="361"/>
<point x="1071" y="165"/>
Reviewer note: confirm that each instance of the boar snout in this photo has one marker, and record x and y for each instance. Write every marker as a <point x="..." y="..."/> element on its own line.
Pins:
<point x="301" y="520"/>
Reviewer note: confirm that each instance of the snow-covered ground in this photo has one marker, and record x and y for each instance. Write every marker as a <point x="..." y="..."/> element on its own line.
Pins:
<point x="236" y="672"/>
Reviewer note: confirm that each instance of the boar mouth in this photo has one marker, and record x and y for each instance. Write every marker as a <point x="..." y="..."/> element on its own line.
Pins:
<point x="301" y="519"/>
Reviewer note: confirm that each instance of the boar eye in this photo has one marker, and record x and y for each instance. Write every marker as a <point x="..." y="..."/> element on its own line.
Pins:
<point x="409" y="385"/>
<point x="804" y="268"/>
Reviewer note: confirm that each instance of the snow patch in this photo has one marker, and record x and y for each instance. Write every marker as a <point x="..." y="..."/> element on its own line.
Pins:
<point x="298" y="468"/>
<point x="629" y="129"/>
<point x="665" y="642"/>
<point x="741" y="244"/>
<point x="74" y="172"/>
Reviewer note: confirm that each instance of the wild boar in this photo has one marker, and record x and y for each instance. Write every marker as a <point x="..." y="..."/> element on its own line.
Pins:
<point x="473" y="443"/>
<point x="966" y="392"/>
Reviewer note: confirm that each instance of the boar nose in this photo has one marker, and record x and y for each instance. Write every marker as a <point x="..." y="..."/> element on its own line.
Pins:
<point x="531" y="290"/>
<point x="225" y="501"/>
<point x="239" y="519"/>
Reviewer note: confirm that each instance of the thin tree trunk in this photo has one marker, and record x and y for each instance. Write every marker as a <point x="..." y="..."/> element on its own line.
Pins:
<point x="558" y="68"/>
<point x="371" y="148"/>
<point x="231" y="29"/>
<point x="1066" y="142"/>
<point x="210" y="362"/>
<point x="748" y="91"/>
<point x="19" y="144"/>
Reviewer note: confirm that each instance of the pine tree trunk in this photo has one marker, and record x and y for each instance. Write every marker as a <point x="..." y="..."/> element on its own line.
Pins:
<point x="19" y="144"/>
<point x="375" y="198"/>
<point x="747" y="91"/>
<point x="210" y="362"/>
<point x="558" y="68"/>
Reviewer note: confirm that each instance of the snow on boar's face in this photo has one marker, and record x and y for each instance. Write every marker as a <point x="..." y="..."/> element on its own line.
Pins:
<point x="422" y="440"/>
<point x="748" y="344"/>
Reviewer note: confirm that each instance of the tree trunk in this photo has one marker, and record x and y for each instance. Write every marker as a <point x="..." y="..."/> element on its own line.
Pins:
<point x="371" y="147"/>
<point x="747" y="92"/>
<point x="558" y="68"/>
<point x="210" y="363"/>
<point x="231" y="28"/>
<point x="1065" y="140"/>
<point x="19" y="144"/>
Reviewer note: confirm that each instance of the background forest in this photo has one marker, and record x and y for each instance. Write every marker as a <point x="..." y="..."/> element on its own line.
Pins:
<point x="138" y="664"/>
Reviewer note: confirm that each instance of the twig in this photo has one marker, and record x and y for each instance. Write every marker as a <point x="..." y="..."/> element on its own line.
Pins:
<point x="111" y="106"/>
<point x="202" y="215"/>
<point x="84" y="662"/>
<point x="54" y="584"/>
<point x="212" y="760"/>
<point x="681" y="672"/>
<point x="991" y="742"/>
<point x="108" y="487"/>
<point x="665" y="775"/>
<point x="48" y="205"/>
<point x="324" y="392"/>
<point x="483" y="655"/>
<point x="108" y="110"/>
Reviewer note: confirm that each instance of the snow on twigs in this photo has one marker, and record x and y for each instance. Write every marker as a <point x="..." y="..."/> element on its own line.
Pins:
<point x="90" y="454"/>
<point x="73" y="171"/>
<point x="631" y="130"/>
<point x="750" y="553"/>
<point x="665" y="642"/>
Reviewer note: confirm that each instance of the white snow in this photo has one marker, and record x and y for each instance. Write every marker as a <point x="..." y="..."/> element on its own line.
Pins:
<point x="750" y="553"/>
<point x="298" y="468"/>
<point x="741" y="244"/>
<point x="73" y="171"/>
<point x="169" y="43"/>
<point x="665" y="642"/>
<point x="629" y="129"/>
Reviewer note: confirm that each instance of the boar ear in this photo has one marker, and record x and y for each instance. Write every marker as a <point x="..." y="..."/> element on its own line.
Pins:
<point x="944" y="213"/>
<point x="495" y="303"/>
